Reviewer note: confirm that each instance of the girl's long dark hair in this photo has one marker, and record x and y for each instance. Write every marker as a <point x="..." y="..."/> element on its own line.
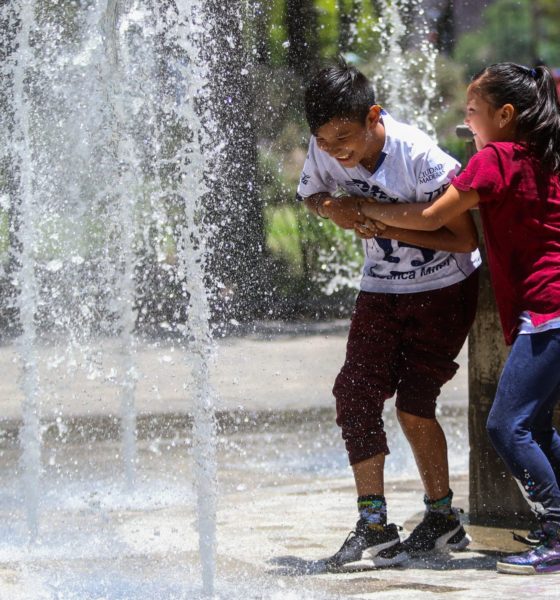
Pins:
<point x="532" y="92"/>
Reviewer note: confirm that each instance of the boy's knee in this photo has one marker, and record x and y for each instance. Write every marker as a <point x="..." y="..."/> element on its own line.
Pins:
<point x="406" y="420"/>
<point x="411" y="422"/>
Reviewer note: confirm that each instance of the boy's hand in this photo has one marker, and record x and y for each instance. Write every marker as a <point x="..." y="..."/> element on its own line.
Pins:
<point x="369" y="229"/>
<point x="344" y="212"/>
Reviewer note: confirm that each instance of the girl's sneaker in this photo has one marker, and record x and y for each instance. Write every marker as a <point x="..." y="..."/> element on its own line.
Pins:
<point x="544" y="558"/>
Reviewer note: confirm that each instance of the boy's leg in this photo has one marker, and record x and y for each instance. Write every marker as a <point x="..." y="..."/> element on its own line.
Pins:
<point x="365" y="381"/>
<point x="368" y="377"/>
<point x="438" y="323"/>
<point x="429" y="446"/>
<point x="368" y="475"/>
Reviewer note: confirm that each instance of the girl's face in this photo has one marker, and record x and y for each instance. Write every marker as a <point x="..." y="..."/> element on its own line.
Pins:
<point x="488" y="124"/>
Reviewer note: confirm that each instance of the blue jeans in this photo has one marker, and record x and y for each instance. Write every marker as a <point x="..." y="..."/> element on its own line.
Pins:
<point x="520" y="421"/>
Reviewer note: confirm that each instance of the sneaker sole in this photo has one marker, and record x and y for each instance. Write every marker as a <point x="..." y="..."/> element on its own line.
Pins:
<point x="442" y="544"/>
<point x="379" y="561"/>
<point x="525" y="569"/>
<point x="461" y="544"/>
<point x="515" y="569"/>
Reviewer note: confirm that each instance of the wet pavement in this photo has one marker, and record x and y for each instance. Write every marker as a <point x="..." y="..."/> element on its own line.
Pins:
<point x="285" y="494"/>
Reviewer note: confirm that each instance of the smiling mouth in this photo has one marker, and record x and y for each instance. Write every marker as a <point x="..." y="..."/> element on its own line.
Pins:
<point x="343" y="156"/>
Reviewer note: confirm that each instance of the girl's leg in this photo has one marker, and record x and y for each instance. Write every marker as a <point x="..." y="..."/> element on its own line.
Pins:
<point x="527" y="393"/>
<point x="548" y="439"/>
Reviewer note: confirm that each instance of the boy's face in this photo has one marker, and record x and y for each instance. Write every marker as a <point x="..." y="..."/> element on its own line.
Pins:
<point x="351" y="142"/>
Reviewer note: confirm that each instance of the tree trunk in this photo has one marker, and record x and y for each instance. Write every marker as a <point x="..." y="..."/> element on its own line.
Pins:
<point x="348" y="15"/>
<point x="261" y="12"/>
<point x="301" y="22"/>
<point x="238" y="258"/>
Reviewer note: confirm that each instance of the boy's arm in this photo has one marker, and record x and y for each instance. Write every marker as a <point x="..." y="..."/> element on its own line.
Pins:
<point x="344" y="211"/>
<point x="458" y="235"/>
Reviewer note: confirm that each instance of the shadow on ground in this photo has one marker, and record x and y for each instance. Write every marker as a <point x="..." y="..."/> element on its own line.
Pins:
<point x="482" y="560"/>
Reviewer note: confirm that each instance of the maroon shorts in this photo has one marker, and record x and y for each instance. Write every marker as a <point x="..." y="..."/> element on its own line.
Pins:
<point x="404" y="344"/>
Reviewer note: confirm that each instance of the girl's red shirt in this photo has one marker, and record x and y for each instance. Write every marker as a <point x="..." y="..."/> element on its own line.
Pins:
<point x="520" y="212"/>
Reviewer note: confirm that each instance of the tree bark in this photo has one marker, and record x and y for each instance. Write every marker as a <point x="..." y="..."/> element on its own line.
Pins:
<point x="301" y="22"/>
<point x="262" y="23"/>
<point x="348" y="15"/>
<point x="238" y="258"/>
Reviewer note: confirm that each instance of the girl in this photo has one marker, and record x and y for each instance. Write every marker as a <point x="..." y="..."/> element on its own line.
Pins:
<point x="514" y="114"/>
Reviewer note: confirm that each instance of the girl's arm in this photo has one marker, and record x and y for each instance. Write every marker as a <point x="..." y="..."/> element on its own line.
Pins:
<point x="459" y="234"/>
<point x="425" y="216"/>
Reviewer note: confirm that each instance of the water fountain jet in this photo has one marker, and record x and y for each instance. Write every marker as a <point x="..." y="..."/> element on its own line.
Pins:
<point x="114" y="148"/>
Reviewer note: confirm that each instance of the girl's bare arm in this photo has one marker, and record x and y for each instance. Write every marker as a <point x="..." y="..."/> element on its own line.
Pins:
<point x="428" y="216"/>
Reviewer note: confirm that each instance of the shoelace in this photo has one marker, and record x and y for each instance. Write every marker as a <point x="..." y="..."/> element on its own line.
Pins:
<point x="353" y="535"/>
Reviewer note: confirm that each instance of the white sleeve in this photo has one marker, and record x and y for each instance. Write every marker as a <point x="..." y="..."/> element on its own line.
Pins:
<point x="434" y="171"/>
<point x="314" y="176"/>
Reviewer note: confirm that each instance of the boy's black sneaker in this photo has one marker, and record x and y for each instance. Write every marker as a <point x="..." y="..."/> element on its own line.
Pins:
<point x="436" y="532"/>
<point x="371" y="541"/>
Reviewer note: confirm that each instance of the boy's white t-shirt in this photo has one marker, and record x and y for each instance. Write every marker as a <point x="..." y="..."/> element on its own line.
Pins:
<point x="412" y="168"/>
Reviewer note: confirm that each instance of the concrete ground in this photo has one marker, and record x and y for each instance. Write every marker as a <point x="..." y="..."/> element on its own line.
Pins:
<point x="284" y="493"/>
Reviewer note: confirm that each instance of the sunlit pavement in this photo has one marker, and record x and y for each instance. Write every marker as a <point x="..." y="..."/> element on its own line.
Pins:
<point x="285" y="494"/>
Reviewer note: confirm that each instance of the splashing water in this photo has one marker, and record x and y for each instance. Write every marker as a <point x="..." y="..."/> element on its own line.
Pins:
<point x="30" y="435"/>
<point x="110" y="149"/>
<point x="406" y="80"/>
<point x="98" y="98"/>
<point x="116" y="55"/>
<point x="187" y="33"/>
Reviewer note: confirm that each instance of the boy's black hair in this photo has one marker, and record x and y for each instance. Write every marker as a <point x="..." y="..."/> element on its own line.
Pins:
<point x="532" y="92"/>
<point x="339" y="91"/>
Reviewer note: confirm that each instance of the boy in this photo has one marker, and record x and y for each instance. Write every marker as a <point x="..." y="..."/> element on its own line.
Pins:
<point x="416" y="304"/>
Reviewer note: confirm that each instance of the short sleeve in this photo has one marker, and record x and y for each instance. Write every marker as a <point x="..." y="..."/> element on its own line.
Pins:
<point x="434" y="171"/>
<point x="484" y="173"/>
<point x="314" y="177"/>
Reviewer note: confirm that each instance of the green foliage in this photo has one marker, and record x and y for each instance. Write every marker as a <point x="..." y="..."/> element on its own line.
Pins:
<point x="362" y="42"/>
<point x="448" y="108"/>
<point x="327" y="11"/>
<point x="278" y="35"/>
<point x="316" y="265"/>
<point x="521" y="31"/>
<point x="291" y="228"/>
<point x="548" y="30"/>
<point x="283" y="235"/>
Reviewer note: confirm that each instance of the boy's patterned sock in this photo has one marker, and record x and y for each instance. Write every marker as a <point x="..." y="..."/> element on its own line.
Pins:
<point x="373" y="511"/>
<point x="443" y="505"/>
